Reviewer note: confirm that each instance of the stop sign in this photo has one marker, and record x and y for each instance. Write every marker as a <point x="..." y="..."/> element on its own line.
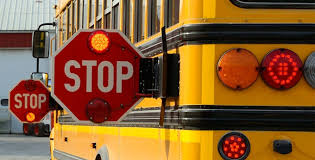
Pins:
<point x="96" y="75"/>
<point x="29" y="101"/>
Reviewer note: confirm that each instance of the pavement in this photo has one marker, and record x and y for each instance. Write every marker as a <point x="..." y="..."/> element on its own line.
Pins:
<point x="21" y="147"/>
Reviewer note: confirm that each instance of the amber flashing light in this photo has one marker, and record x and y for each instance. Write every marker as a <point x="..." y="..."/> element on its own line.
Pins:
<point x="30" y="117"/>
<point x="238" y="68"/>
<point x="99" y="42"/>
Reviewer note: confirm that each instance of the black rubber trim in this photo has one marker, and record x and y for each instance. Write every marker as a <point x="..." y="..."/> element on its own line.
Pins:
<point x="274" y="5"/>
<point x="208" y="117"/>
<point x="232" y="34"/>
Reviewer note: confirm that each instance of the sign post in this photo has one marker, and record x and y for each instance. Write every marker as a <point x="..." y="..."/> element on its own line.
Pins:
<point x="29" y="101"/>
<point x="96" y="76"/>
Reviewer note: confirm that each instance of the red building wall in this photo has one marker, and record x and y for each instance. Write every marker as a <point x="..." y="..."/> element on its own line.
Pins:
<point x="15" y="40"/>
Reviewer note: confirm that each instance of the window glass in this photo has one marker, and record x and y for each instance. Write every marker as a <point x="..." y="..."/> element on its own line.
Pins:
<point x="92" y="11"/>
<point x="139" y="20"/>
<point x="171" y="11"/>
<point x="143" y="19"/>
<point x="126" y="18"/>
<point x="115" y="24"/>
<point x="130" y="18"/>
<point x="107" y="21"/>
<point x="99" y="23"/>
<point x="154" y="16"/>
<point x="84" y="16"/>
<point x="64" y="25"/>
<point x="75" y="17"/>
<point x="296" y="4"/>
<point x="80" y="13"/>
<point x="69" y="22"/>
<point x="108" y="3"/>
<point x="57" y="32"/>
<point x="99" y="8"/>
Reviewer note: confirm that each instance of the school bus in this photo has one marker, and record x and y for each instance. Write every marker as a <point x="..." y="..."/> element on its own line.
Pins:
<point x="241" y="81"/>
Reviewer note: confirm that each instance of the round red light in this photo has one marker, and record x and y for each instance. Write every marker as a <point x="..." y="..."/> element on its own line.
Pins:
<point x="282" y="69"/>
<point x="30" y="85"/>
<point x="99" y="42"/>
<point x="98" y="110"/>
<point x="234" y="145"/>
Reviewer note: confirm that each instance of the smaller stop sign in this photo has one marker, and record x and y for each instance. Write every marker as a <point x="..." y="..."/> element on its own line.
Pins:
<point x="29" y="101"/>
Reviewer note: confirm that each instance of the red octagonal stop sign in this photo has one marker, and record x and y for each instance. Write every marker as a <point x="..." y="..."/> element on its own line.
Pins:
<point x="98" y="84"/>
<point x="29" y="101"/>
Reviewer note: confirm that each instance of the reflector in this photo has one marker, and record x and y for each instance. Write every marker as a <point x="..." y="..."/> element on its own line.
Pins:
<point x="309" y="70"/>
<point x="234" y="145"/>
<point x="282" y="69"/>
<point x="98" y="42"/>
<point x="238" y="68"/>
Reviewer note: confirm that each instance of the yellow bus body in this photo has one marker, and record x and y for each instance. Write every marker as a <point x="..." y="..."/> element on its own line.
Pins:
<point x="199" y="86"/>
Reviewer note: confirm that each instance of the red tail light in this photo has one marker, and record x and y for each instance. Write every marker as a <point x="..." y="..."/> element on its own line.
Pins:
<point x="282" y="69"/>
<point x="99" y="42"/>
<point x="234" y="146"/>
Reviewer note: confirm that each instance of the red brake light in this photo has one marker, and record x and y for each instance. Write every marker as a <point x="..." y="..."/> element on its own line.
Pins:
<point x="282" y="69"/>
<point x="99" y="42"/>
<point x="234" y="145"/>
<point x="98" y="110"/>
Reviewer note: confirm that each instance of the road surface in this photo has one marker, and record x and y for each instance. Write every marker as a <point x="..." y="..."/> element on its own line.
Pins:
<point x="20" y="147"/>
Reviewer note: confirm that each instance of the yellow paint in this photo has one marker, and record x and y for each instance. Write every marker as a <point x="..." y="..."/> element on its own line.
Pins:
<point x="173" y="144"/>
<point x="199" y="85"/>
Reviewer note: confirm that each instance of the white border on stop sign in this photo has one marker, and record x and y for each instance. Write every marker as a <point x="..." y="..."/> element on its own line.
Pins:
<point x="53" y="73"/>
<point x="10" y="104"/>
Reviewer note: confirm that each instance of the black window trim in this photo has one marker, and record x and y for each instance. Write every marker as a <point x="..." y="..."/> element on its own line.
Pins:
<point x="270" y="5"/>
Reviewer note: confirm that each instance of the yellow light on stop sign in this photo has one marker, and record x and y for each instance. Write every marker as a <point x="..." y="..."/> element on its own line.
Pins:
<point x="98" y="42"/>
<point x="30" y="117"/>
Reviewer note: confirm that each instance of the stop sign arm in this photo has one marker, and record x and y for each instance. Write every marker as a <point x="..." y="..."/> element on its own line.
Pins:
<point x="150" y="76"/>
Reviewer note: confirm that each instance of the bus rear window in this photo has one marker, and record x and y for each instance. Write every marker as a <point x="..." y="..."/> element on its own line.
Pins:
<point x="276" y="4"/>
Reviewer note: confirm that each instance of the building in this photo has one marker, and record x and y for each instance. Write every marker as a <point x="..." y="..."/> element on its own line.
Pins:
<point x="18" y="19"/>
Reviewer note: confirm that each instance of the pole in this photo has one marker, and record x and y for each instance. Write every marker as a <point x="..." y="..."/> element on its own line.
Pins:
<point x="164" y="80"/>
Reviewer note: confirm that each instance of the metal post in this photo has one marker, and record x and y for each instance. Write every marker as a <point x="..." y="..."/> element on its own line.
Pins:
<point x="164" y="80"/>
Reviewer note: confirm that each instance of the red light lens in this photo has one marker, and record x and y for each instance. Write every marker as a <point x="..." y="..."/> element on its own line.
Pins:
<point x="99" y="42"/>
<point x="282" y="69"/>
<point x="234" y="145"/>
<point x="98" y="110"/>
<point x="30" y="85"/>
